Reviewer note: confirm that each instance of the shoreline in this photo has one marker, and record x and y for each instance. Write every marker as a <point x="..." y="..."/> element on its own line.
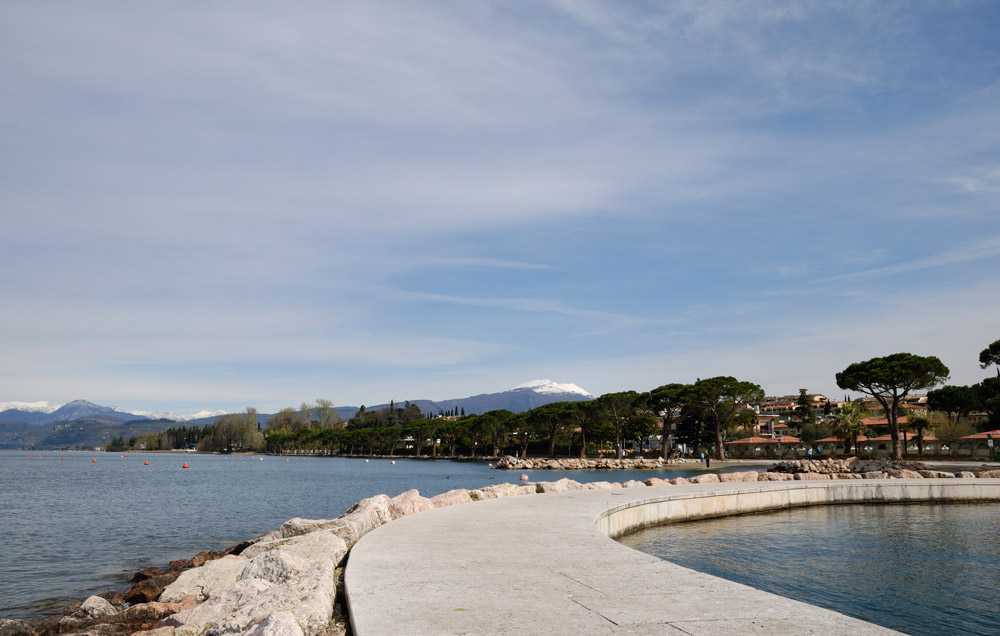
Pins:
<point x="167" y="601"/>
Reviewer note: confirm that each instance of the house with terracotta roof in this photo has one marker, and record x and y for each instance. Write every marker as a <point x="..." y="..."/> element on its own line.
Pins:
<point x="776" y="447"/>
<point x="983" y="444"/>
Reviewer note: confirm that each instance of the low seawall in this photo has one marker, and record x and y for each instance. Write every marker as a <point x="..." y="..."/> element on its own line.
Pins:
<point x="642" y="513"/>
<point x="546" y="565"/>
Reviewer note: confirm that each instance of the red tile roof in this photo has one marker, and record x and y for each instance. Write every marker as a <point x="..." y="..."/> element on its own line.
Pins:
<point x="786" y="439"/>
<point x="984" y="434"/>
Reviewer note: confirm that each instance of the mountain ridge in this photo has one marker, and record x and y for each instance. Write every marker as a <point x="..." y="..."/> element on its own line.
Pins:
<point x="522" y="397"/>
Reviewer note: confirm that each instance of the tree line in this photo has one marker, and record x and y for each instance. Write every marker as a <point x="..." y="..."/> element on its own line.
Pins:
<point x="700" y="415"/>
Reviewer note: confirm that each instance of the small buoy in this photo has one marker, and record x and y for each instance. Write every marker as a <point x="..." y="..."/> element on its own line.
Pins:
<point x="63" y="459"/>
<point x="261" y="458"/>
<point x="94" y="460"/>
<point x="524" y="476"/>
<point x="39" y="457"/>
<point x="185" y="465"/>
<point x="126" y="454"/>
<point x="31" y="456"/>
<point x="147" y="463"/>
<point x="490" y="466"/>
<point x="366" y="461"/>
<point x="286" y="460"/>
<point x="394" y="462"/>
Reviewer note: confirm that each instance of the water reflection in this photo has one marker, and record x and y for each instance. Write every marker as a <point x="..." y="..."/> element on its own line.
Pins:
<point x="925" y="569"/>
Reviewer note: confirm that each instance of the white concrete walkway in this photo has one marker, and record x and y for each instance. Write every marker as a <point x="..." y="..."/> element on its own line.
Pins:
<point x="544" y="564"/>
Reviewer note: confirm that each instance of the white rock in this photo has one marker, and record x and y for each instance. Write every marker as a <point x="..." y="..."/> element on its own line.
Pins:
<point x="451" y="498"/>
<point x="205" y="582"/>
<point x="297" y="526"/>
<point x="318" y="547"/>
<point x="97" y="607"/>
<point x="309" y="597"/>
<point x="276" y="566"/>
<point x="562" y="485"/>
<point x="277" y="624"/>
<point x="410" y="502"/>
<point x="211" y="612"/>
<point x="602" y="485"/>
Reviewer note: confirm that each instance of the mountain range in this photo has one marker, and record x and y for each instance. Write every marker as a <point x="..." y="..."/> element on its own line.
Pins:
<point x="83" y="424"/>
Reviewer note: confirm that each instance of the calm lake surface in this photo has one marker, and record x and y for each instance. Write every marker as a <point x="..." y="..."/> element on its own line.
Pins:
<point x="72" y="528"/>
<point x="924" y="569"/>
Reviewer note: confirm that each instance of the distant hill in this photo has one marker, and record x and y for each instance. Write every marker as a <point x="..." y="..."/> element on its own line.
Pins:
<point x="70" y="411"/>
<point x="83" y="424"/>
<point x="521" y="398"/>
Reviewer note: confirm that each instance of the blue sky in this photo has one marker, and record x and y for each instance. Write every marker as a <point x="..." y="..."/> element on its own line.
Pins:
<point x="216" y="206"/>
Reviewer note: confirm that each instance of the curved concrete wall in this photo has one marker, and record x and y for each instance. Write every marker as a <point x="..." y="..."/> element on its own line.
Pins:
<point x="544" y="564"/>
<point x="632" y="516"/>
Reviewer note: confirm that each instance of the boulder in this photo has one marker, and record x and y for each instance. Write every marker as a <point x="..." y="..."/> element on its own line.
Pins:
<point x="811" y="476"/>
<point x="562" y="485"/>
<point x="706" y="478"/>
<point x="10" y="627"/>
<point x="632" y="483"/>
<point x="679" y="481"/>
<point x="147" y="573"/>
<point x="965" y="474"/>
<point x="411" y="502"/>
<point x="508" y="490"/>
<point x="875" y="474"/>
<point x="936" y="474"/>
<point x="847" y="476"/>
<point x="204" y="582"/>
<point x="204" y="557"/>
<point x="769" y="476"/>
<point x="656" y="481"/>
<point x="309" y="597"/>
<point x="988" y="474"/>
<point x="95" y="607"/>
<point x="276" y="566"/>
<point x="602" y="485"/>
<point x="277" y="624"/>
<point x="740" y="476"/>
<point x="150" y="589"/>
<point x="451" y="498"/>
<point x="156" y="631"/>
<point x="297" y="526"/>
<point x="904" y="473"/>
<point x="211" y="612"/>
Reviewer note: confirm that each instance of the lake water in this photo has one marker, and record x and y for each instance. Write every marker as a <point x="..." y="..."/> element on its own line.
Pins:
<point x="924" y="569"/>
<point x="73" y="527"/>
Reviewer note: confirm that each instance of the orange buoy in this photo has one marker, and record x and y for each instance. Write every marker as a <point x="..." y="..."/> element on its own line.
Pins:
<point x="31" y="456"/>
<point x="62" y="459"/>
<point x="126" y="454"/>
<point x="185" y="465"/>
<point x="147" y="463"/>
<point x="94" y="460"/>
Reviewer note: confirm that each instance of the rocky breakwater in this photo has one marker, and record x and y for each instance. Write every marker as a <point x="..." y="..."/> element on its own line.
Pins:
<point x="855" y="468"/>
<point x="601" y="463"/>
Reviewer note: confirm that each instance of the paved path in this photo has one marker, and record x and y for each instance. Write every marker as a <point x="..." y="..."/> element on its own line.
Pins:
<point x="539" y="564"/>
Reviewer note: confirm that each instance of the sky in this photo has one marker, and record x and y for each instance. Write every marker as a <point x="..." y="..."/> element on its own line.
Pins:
<point x="239" y="203"/>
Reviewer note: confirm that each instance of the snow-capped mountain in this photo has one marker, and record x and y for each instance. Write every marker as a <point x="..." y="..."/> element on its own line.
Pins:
<point x="523" y="397"/>
<point x="548" y="387"/>
<point x="29" y="407"/>
<point x="177" y="417"/>
<point x="47" y="412"/>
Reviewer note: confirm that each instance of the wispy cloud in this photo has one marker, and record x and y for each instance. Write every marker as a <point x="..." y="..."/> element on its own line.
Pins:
<point x="983" y="249"/>
<point x="351" y="199"/>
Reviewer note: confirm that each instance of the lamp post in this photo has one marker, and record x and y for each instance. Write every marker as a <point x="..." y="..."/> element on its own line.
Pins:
<point x="989" y="444"/>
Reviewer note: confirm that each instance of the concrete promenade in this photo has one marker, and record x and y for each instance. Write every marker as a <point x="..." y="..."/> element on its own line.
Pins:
<point x="544" y="564"/>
